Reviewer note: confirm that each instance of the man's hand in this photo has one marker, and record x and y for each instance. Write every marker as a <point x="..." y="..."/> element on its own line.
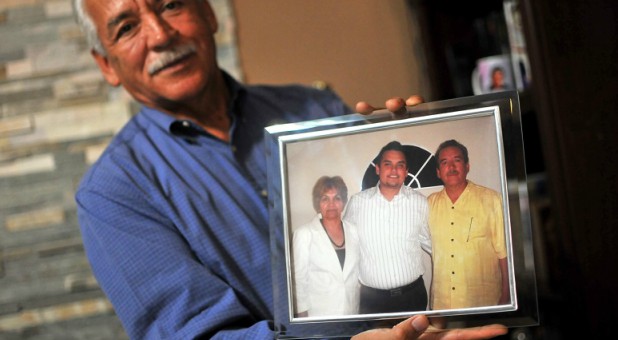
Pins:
<point x="396" y="105"/>
<point x="417" y="327"/>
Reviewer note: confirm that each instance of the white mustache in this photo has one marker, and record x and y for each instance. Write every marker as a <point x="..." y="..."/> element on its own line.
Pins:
<point x="168" y="57"/>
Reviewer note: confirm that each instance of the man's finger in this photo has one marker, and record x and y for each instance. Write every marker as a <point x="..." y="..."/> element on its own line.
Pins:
<point x="476" y="333"/>
<point x="396" y="105"/>
<point x="411" y="328"/>
<point x="414" y="100"/>
<point x="364" y="108"/>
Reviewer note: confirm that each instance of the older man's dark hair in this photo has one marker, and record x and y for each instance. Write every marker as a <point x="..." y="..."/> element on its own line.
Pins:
<point x="451" y="143"/>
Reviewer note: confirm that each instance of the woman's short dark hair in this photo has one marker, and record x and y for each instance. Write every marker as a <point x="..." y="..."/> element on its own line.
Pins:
<point x="326" y="183"/>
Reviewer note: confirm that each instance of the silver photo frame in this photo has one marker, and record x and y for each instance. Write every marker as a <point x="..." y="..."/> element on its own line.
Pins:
<point x="299" y="153"/>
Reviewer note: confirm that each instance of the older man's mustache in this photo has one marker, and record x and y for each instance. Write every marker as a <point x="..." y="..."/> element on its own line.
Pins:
<point x="169" y="57"/>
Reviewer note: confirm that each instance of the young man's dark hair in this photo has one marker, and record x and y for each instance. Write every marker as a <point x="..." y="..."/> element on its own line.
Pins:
<point x="392" y="146"/>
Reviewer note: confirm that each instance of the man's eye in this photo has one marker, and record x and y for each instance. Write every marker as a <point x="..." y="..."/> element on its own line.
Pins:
<point x="172" y="5"/>
<point x="124" y="29"/>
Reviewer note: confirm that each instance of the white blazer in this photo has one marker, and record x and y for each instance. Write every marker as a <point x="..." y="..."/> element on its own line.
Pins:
<point x="321" y="286"/>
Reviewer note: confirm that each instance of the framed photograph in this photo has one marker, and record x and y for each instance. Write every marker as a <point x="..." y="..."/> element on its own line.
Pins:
<point x="318" y="172"/>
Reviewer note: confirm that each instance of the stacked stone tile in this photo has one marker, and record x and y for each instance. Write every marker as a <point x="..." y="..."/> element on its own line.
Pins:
<point x="56" y="116"/>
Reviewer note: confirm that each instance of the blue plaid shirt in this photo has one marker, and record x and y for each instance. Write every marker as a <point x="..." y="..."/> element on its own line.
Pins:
<point x="175" y="221"/>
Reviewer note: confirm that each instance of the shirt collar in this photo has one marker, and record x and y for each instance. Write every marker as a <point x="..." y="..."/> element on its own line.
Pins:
<point x="463" y="193"/>
<point x="402" y="192"/>
<point x="186" y="128"/>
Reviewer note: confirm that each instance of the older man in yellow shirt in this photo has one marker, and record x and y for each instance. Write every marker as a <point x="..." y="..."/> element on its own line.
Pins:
<point x="467" y="232"/>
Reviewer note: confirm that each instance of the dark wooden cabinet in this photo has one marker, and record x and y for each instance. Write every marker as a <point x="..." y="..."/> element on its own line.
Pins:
<point x="570" y="117"/>
<point x="455" y="34"/>
<point x="573" y="49"/>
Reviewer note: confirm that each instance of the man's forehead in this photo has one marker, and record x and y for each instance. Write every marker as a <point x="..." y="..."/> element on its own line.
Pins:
<point x="458" y="152"/>
<point x="391" y="155"/>
<point x="112" y="12"/>
<point x="119" y="5"/>
<point x="119" y="2"/>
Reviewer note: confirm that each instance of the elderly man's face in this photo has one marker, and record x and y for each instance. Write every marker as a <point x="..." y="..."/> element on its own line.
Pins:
<point x="452" y="167"/>
<point x="161" y="51"/>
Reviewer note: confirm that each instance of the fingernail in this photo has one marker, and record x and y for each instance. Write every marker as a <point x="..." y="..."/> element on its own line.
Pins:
<point x="419" y="324"/>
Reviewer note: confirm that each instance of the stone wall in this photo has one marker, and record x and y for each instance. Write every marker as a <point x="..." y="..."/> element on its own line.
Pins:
<point x="56" y="116"/>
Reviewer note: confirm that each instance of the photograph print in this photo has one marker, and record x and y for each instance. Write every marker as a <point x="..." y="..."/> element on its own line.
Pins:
<point x="396" y="218"/>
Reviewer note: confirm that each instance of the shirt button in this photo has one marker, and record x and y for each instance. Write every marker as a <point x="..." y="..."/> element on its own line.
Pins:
<point x="186" y="123"/>
<point x="452" y="223"/>
<point x="264" y="193"/>
<point x="234" y="148"/>
<point x="453" y="288"/>
<point x="452" y="240"/>
<point x="452" y="255"/>
<point x="452" y="207"/>
<point x="453" y="273"/>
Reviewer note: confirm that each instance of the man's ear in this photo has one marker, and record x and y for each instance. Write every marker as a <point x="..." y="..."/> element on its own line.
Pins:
<point x="106" y="68"/>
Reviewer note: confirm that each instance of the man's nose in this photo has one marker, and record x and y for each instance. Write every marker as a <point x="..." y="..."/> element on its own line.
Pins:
<point x="159" y="32"/>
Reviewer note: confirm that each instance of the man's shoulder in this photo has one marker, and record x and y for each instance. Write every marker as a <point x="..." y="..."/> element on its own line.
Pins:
<point x="365" y="194"/>
<point x="301" y="92"/>
<point x="412" y="193"/>
<point x="434" y="196"/>
<point x="482" y="190"/>
<point x="118" y="156"/>
<point x="298" y="99"/>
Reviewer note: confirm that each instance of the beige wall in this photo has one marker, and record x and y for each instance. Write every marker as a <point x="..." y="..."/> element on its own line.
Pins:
<point x="366" y="50"/>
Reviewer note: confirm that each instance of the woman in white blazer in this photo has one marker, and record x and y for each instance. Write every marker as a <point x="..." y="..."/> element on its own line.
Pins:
<point x="326" y="256"/>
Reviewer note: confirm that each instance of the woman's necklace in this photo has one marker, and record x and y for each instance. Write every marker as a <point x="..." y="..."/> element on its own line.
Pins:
<point x="331" y="240"/>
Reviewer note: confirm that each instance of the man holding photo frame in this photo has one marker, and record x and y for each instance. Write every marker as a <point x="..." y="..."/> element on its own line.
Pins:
<point x="173" y="216"/>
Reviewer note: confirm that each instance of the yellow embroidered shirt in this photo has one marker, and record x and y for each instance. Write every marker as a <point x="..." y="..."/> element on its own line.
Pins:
<point x="468" y="239"/>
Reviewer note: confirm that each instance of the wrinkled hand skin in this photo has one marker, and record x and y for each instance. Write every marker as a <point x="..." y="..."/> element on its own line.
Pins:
<point x="396" y="105"/>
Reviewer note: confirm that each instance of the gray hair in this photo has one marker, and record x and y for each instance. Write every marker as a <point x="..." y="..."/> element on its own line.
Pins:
<point x="87" y="26"/>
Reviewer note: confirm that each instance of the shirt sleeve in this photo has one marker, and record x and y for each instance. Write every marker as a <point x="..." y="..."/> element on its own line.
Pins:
<point x="157" y="286"/>
<point x="498" y="234"/>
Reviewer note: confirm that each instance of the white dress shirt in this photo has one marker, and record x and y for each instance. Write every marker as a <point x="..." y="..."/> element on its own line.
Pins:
<point x="392" y="235"/>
